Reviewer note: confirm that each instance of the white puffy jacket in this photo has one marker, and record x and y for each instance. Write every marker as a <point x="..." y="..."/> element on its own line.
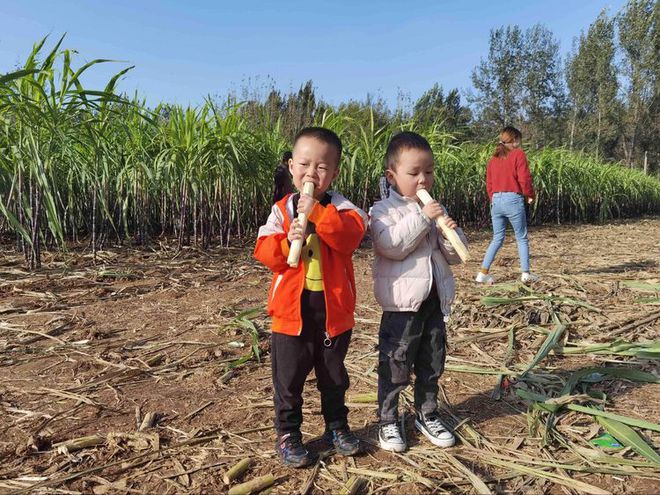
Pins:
<point x="410" y="253"/>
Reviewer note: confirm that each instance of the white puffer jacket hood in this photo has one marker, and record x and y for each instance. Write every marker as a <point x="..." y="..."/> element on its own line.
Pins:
<point x="410" y="253"/>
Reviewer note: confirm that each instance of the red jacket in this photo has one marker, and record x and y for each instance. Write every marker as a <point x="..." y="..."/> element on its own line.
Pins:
<point x="340" y="227"/>
<point x="509" y="174"/>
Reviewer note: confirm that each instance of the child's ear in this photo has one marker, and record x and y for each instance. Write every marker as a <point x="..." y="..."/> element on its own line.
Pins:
<point x="290" y="162"/>
<point x="389" y="175"/>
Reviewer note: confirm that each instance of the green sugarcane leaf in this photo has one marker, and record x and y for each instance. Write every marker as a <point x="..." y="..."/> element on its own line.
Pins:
<point x="599" y="374"/>
<point x="549" y="343"/>
<point x="640" y="423"/>
<point x="641" y="286"/>
<point x="628" y="437"/>
<point x="11" y="76"/>
<point x="16" y="225"/>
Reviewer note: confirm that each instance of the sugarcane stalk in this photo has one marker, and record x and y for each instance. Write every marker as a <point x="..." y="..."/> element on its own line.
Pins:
<point x="448" y="232"/>
<point x="365" y="398"/>
<point x="237" y="470"/>
<point x="353" y="486"/>
<point x="296" y="246"/>
<point x="252" y="486"/>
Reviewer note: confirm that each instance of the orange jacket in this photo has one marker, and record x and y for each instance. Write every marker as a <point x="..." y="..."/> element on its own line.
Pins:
<point x="340" y="227"/>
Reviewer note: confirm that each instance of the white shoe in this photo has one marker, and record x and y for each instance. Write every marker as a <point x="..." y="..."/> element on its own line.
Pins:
<point x="435" y="430"/>
<point x="528" y="278"/>
<point x="390" y="438"/>
<point x="484" y="278"/>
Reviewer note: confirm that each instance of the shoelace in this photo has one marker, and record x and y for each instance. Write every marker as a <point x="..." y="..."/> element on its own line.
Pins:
<point x="435" y="426"/>
<point x="343" y="434"/>
<point x="392" y="431"/>
<point x="291" y="442"/>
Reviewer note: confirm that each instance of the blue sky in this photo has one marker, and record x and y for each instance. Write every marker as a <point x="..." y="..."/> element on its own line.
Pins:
<point x="185" y="50"/>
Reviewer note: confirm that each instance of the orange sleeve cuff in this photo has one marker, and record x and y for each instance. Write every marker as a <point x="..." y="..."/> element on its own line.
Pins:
<point x="317" y="213"/>
<point x="285" y="247"/>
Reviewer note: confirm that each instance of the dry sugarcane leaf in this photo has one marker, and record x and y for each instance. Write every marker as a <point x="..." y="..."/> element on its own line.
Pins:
<point x="138" y="441"/>
<point x="478" y="484"/>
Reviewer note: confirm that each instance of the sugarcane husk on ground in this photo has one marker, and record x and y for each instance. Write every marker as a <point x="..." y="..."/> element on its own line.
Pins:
<point x="79" y="443"/>
<point x="253" y="486"/>
<point x="353" y="486"/>
<point x="236" y="471"/>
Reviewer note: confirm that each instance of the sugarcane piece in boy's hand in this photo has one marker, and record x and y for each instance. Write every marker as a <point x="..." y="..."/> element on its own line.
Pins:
<point x="447" y="231"/>
<point x="296" y="245"/>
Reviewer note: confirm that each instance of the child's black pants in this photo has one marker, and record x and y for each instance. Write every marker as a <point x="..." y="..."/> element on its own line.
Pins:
<point x="293" y="358"/>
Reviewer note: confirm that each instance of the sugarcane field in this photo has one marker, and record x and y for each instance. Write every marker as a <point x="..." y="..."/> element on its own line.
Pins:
<point x="149" y="251"/>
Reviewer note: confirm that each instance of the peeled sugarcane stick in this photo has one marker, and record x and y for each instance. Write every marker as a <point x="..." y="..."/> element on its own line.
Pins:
<point x="236" y="470"/>
<point x="449" y="233"/>
<point x="252" y="486"/>
<point x="296" y="246"/>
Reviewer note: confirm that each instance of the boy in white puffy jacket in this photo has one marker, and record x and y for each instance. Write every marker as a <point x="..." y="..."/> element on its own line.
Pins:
<point x="415" y="287"/>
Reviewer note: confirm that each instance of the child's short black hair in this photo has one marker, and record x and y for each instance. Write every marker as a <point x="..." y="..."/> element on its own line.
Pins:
<point x="286" y="156"/>
<point x="402" y="141"/>
<point x="322" y="134"/>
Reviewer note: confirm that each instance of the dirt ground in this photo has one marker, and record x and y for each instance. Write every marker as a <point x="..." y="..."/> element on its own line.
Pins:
<point x="90" y="349"/>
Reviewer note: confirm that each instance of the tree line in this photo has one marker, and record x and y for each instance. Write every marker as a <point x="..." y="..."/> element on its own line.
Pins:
<point x="602" y="98"/>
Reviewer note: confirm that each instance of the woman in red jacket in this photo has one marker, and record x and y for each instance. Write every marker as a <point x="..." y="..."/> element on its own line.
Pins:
<point x="509" y="184"/>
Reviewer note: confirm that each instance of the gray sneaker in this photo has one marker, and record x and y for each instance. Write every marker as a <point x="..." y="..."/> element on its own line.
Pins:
<point x="528" y="278"/>
<point x="390" y="438"/>
<point x="435" y="430"/>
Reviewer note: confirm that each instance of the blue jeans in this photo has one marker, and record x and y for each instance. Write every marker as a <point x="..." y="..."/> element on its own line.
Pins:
<point x="508" y="207"/>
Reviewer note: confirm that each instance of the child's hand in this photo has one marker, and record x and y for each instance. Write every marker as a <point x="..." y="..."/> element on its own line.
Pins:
<point x="306" y="204"/>
<point x="451" y="223"/>
<point x="433" y="210"/>
<point x="295" y="231"/>
<point x="530" y="201"/>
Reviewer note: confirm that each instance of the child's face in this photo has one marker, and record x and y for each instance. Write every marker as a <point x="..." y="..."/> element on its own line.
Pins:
<point x="413" y="171"/>
<point x="314" y="161"/>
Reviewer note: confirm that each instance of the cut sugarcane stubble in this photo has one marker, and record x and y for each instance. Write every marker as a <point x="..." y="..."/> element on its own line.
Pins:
<point x="296" y="246"/>
<point x="448" y="232"/>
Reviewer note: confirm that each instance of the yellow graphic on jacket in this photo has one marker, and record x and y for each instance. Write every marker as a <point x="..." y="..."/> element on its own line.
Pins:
<point x="311" y="256"/>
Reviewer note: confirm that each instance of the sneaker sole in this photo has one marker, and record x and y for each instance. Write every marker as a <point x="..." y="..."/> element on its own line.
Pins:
<point x="349" y="453"/>
<point x="298" y="465"/>
<point x="435" y="441"/>
<point x="390" y="448"/>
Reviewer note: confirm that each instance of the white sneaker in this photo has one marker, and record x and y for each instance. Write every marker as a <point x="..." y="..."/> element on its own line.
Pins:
<point x="435" y="430"/>
<point x="528" y="278"/>
<point x="390" y="438"/>
<point x="484" y="278"/>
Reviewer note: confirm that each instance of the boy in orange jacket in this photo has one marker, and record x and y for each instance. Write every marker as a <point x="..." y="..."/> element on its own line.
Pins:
<point x="312" y="305"/>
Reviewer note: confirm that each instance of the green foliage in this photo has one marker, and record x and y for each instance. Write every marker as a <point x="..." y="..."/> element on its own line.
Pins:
<point x="639" y="38"/>
<point x="519" y="83"/>
<point x="435" y="108"/>
<point x="591" y="75"/>
<point x="77" y="162"/>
